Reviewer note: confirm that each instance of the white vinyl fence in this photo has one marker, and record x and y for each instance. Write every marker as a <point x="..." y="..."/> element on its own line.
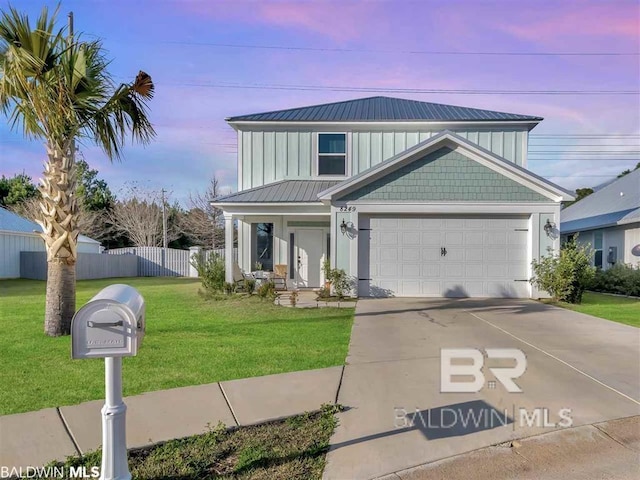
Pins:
<point x="88" y="267"/>
<point x="158" y="262"/>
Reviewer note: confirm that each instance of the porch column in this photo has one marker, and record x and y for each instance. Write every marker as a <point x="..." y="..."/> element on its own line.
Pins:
<point x="228" y="247"/>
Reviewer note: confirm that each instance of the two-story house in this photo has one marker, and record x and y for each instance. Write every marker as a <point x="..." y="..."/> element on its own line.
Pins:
<point x="409" y="198"/>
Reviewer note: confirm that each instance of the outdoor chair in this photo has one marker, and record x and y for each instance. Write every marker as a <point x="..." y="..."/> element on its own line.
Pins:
<point x="280" y="277"/>
<point x="239" y="277"/>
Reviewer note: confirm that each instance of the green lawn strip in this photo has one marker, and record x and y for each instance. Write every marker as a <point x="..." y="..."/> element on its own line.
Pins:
<point x="189" y="341"/>
<point x="618" y="309"/>
<point x="289" y="449"/>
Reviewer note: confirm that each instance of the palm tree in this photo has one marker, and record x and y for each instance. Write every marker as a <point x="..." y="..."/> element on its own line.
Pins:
<point x="59" y="90"/>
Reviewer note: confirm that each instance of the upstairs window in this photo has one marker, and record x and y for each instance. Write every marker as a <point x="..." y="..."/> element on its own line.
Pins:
<point x="332" y="154"/>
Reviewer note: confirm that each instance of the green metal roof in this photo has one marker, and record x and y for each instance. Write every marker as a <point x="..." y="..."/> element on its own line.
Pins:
<point x="386" y="109"/>
<point x="284" y="191"/>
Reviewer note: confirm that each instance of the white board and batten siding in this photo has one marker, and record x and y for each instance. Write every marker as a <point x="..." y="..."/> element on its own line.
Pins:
<point x="444" y="257"/>
<point x="269" y="156"/>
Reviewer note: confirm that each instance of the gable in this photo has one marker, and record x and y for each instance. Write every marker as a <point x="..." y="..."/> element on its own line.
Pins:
<point x="445" y="175"/>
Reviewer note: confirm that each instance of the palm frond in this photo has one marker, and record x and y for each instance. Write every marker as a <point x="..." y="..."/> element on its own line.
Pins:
<point x="58" y="89"/>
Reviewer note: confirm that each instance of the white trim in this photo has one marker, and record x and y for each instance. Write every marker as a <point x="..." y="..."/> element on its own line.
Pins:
<point x="436" y="142"/>
<point x="387" y="123"/>
<point x="451" y="208"/>
<point x="226" y="205"/>
<point x="316" y="153"/>
<point x="240" y="160"/>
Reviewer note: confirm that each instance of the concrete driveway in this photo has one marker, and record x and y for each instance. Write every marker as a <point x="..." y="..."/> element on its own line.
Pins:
<point x="397" y="417"/>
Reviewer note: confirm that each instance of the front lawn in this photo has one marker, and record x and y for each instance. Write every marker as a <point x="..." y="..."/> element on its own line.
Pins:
<point x="189" y="341"/>
<point x="291" y="449"/>
<point x="618" y="309"/>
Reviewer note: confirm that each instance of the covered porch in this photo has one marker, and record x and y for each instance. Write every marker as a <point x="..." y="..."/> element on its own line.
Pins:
<point x="280" y="225"/>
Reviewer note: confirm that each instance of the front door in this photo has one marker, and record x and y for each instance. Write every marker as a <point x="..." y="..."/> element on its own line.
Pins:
<point x="308" y="251"/>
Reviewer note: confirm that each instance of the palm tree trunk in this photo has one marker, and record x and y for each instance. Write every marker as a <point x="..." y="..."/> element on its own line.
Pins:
<point x="58" y="205"/>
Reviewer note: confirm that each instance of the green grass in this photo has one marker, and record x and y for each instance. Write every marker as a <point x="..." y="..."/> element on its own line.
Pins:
<point x="618" y="309"/>
<point x="189" y="341"/>
<point x="291" y="449"/>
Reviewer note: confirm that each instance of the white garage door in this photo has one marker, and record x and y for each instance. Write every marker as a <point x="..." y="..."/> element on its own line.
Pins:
<point x="450" y="257"/>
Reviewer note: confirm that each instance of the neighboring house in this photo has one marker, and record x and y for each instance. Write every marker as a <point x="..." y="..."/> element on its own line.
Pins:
<point x="17" y="234"/>
<point x="409" y="198"/>
<point x="608" y="220"/>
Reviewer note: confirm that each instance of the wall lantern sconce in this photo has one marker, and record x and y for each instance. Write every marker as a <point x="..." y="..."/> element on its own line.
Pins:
<point x="548" y="227"/>
<point x="343" y="227"/>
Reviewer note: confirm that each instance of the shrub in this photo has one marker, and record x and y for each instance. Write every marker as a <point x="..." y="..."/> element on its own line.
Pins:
<point x="621" y="279"/>
<point x="267" y="291"/>
<point x="324" y="292"/>
<point x="210" y="270"/>
<point x="326" y="269"/>
<point x="293" y="298"/>
<point x="249" y="285"/>
<point x="340" y="282"/>
<point x="565" y="276"/>
<point x="229" y="288"/>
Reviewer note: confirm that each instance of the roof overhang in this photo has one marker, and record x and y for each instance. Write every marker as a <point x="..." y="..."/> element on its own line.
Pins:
<point x="390" y="124"/>
<point x="449" y="139"/>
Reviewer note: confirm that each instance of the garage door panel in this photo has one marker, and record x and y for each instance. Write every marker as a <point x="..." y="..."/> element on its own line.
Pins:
<point x="410" y="224"/>
<point x="495" y="238"/>
<point x="474" y="255"/>
<point x="430" y="270"/>
<point x="431" y="238"/>
<point x="474" y="271"/>
<point x="516" y="254"/>
<point x="431" y="288"/>
<point x="485" y="257"/>
<point x="430" y="254"/>
<point x="473" y="238"/>
<point x="497" y="270"/>
<point x="410" y="254"/>
<point x="516" y="237"/>
<point x="385" y="223"/>
<point x="411" y="287"/>
<point x="388" y="254"/>
<point x="388" y="238"/>
<point x="454" y="270"/>
<point x="474" y="224"/>
<point x="450" y="223"/>
<point x="410" y="270"/>
<point x="475" y="289"/>
<point x="411" y="238"/>
<point x="434" y="224"/>
<point x="388" y="270"/>
<point x="453" y="238"/>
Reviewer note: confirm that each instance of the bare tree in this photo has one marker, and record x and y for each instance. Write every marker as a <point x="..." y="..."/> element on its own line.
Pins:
<point x="203" y="222"/>
<point x="138" y="215"/>
<point x="93" y="224"/>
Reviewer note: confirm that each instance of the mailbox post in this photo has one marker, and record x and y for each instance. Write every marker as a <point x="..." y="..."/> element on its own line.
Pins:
<point x="111" y="326"/>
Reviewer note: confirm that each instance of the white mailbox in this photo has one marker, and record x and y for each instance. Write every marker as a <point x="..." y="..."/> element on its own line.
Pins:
<point x="111" y="324"/>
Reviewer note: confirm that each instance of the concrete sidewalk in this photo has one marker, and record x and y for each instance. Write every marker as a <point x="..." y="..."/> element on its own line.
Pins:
<point x="36" y="438"/>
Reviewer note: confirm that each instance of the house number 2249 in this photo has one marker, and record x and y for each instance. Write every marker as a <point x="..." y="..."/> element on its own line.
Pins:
<point x="347" y="209"/>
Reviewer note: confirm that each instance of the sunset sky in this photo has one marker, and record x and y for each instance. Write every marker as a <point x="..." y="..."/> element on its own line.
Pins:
<point x="214" y="59"/>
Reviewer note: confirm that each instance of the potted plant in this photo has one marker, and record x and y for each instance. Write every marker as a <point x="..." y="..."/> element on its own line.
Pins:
<point x="258" y="266"/>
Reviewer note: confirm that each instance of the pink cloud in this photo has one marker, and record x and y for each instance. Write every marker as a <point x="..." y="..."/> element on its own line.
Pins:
<point x="320" y="17"/>
<point x="580" y="20"/>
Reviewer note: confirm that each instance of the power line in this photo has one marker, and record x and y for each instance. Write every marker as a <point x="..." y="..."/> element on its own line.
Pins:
<point x="588" y="152"/>
<point x="409" y="52"/>
<point x="333" y="88"/>
<point x="586" y="135"/>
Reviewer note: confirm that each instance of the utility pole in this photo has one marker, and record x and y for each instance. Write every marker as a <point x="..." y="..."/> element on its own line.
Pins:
<point x="164" y="223"/>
